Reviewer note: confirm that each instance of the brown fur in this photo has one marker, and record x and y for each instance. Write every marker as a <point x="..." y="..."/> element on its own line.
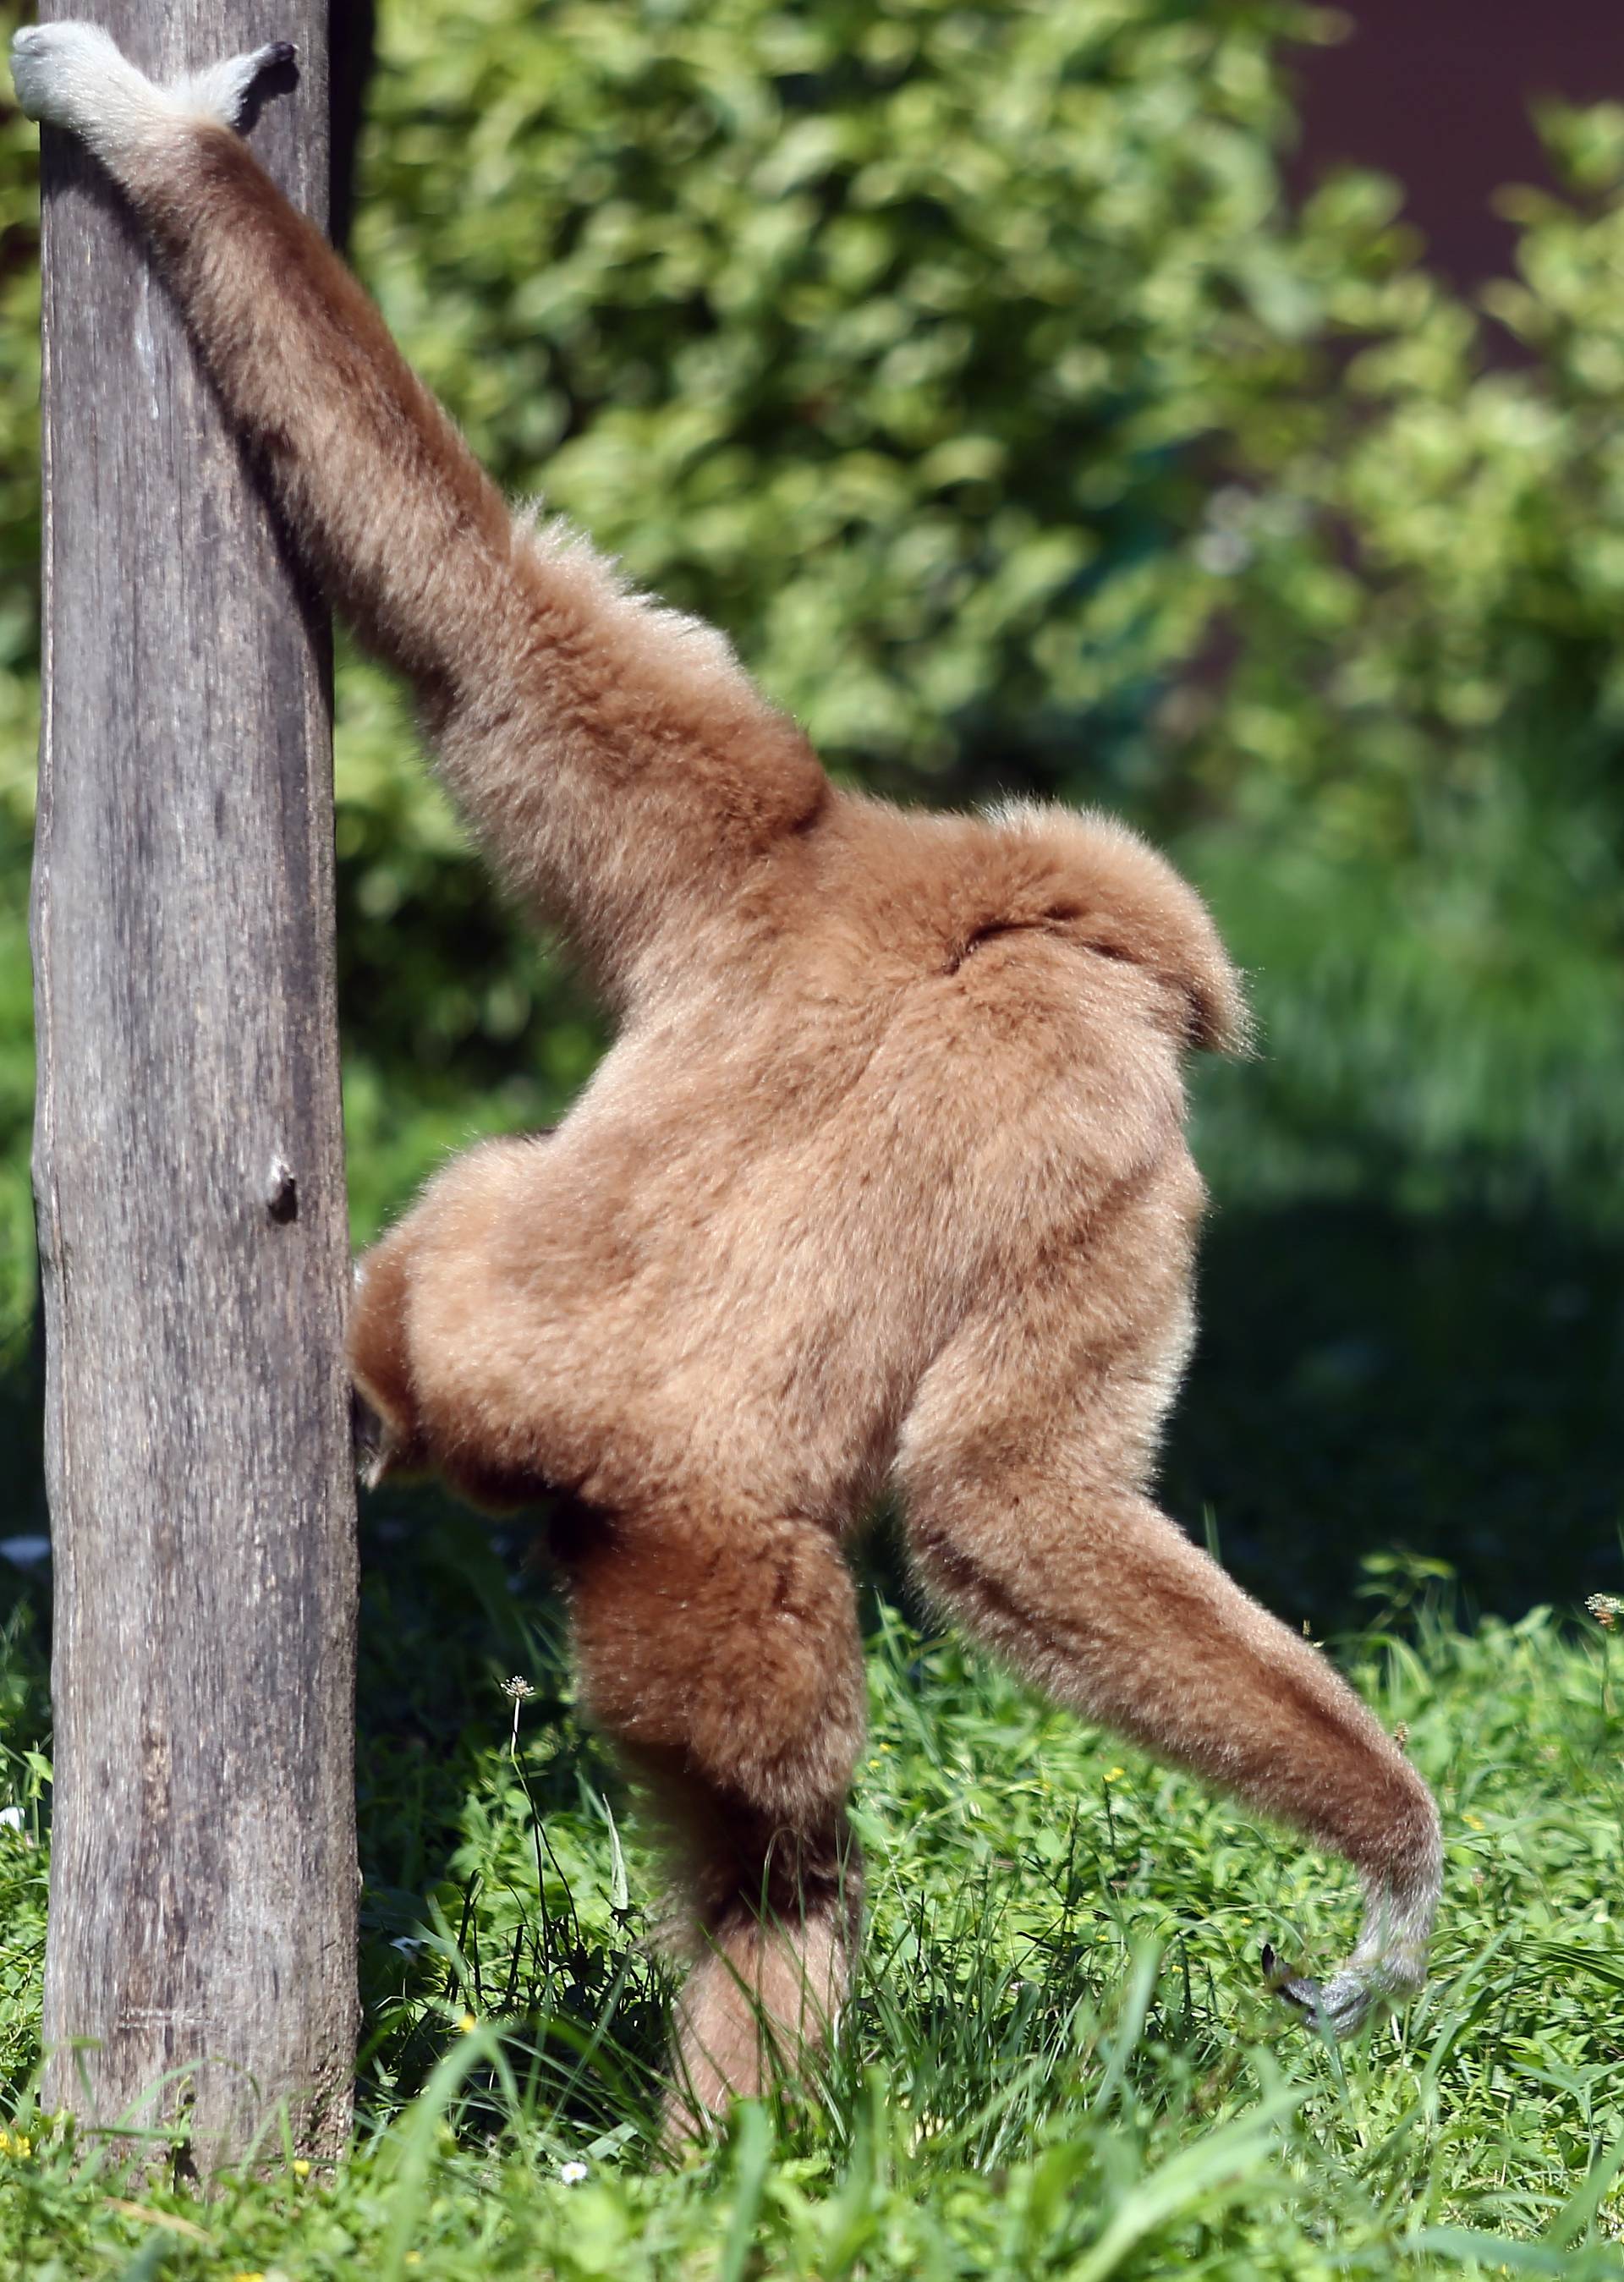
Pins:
<point x="884" y="1179"/>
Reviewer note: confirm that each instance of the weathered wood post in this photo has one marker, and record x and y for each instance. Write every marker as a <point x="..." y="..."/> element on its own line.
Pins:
<point x="189" y="1189"/>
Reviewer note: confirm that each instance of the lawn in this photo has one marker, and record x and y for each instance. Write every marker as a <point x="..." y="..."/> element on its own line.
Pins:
<point x="1060" y="2061"/>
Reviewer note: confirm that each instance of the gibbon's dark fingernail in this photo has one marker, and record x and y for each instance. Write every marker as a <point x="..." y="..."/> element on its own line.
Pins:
<point x="281" y="52"/>
<point x="1280" y="1982"/>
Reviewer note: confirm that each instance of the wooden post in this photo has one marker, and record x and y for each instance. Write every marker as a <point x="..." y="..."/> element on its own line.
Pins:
<point x="190" y="1187"/>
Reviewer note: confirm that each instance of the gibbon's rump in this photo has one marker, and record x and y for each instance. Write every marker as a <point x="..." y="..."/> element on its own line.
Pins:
<point x="883" y="1180"/>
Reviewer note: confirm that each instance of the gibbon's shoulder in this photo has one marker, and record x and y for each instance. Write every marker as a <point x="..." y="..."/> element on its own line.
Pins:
<point x="925" y="889"/>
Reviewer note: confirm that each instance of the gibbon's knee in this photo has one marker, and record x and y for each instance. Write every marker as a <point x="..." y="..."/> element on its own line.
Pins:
<point x="727" y="1652"/>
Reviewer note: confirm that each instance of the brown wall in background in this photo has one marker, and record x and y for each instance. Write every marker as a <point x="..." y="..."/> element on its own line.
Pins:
<point x="1437" y="93"/>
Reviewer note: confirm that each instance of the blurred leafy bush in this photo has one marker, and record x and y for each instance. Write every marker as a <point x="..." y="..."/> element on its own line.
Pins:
<point x="968" y="364"/>
<point x="876" y="332"/>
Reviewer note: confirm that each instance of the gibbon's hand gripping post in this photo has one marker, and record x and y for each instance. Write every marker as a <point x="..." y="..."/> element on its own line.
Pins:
<point x="189" y="1189"/>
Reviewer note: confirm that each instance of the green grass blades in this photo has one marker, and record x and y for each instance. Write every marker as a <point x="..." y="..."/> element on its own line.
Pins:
<point x="1060" y="2061"/>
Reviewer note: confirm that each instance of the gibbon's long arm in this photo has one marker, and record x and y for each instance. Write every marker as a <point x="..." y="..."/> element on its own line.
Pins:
<point x="618" y="764"/>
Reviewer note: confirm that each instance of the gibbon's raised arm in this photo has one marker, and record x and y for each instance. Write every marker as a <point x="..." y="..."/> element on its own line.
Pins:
<point x="616" y="762"/>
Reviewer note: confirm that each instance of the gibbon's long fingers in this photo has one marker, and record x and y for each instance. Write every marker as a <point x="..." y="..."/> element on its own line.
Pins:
<point x="724" y="1657"/>
<point x="620" y="768"/>
<point x="1019" y="1529"/>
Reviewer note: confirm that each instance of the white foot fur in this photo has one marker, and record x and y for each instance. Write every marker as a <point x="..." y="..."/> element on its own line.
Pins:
<point x="220" y="90"/>
<point x="1342" y="2006"/>
<point x="73" y="76"/>
<point x="1388" y="1965"/>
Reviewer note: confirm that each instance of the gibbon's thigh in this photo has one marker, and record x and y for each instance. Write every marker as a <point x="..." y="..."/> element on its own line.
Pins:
<point x="439" y="1240"/>
<point x="724" y="1645"/>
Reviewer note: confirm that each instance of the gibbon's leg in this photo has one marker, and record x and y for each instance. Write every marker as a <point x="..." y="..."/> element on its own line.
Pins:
<point x="411" y="1419"/>
<point x="620" y="768"/>
<point x="1020" y="1468"/>
<point x="723" y="1656"/>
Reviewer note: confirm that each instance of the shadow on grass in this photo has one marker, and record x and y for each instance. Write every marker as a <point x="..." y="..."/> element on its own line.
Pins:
<point x="467" y="1908"/>
<point x="1453" y="1384"/>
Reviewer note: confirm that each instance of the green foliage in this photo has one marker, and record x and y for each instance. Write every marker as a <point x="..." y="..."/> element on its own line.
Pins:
<point x="874" y="333"/>
<point x="1431" y="566"/>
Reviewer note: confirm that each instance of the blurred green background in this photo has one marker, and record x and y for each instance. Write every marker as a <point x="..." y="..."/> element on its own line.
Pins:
<point x="969" y="366"/>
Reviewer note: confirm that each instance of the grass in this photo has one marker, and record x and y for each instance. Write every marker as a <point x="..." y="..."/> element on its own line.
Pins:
<point x="1060" y="2061"/>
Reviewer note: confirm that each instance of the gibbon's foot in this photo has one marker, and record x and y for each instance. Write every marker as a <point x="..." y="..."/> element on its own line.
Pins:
<point x="1389" y="1960"/>
<point x="1295" y="1988"/>
<point x="73" y="76"/>
<point x="370" y="1439"/>
<point x="1340" y="2007"/>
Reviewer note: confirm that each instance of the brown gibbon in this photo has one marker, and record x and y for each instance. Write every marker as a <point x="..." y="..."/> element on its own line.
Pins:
<point x="883" y="1182"/>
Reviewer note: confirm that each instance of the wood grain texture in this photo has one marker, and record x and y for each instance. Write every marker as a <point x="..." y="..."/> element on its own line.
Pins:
<point x="190" y="1188"/>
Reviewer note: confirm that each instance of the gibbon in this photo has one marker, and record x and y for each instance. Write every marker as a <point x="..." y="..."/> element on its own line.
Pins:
<point x="882" y="1182"/>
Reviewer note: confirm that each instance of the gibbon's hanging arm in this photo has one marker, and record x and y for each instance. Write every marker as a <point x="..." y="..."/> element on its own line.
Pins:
<point x="495" y="626"/>
<point x="201" y="1957"/>
<point x="884" y="1178"/>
